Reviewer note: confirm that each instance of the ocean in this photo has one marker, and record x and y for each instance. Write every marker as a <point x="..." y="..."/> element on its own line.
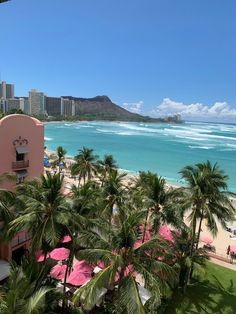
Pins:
<point x="161" y="148"/>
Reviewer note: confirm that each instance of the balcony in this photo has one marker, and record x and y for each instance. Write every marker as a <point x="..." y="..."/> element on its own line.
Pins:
<point x="20" y="238"/>
<point x="21" y="164"/>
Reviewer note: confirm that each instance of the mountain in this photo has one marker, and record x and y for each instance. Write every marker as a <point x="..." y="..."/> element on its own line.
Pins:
<point x="102" y="108"/>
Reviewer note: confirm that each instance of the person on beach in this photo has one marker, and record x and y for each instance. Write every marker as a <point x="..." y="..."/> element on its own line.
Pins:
<point x="228" y="250"/>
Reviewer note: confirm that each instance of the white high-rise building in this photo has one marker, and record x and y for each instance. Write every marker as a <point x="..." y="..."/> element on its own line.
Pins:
<point x="36" y="102"/>
<point x="6" y="90"/>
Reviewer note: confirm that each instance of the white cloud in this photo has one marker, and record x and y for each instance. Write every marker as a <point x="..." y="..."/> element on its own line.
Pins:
<point x="135" y="107"/>
<point x="220" y="111"/>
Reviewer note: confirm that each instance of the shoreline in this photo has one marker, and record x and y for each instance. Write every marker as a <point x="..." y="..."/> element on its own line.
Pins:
<point x="131" y="174"/>
<point x="220" y="242"/>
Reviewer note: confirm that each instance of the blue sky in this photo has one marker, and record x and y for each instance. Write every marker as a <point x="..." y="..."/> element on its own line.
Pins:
<point x="151" y="56"/>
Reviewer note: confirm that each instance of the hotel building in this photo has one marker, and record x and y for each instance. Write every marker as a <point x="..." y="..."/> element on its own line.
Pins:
<point x="36" y="103"/>
<point x="22" y="151"/>
<point x="6" y="90"/>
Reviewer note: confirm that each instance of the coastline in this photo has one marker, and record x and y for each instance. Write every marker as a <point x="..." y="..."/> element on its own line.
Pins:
<point x="220" y="242"/>
<point x="130" y="174"/>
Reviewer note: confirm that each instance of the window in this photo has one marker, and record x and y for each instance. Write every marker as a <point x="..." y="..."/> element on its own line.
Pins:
<point x="19" y="157"/>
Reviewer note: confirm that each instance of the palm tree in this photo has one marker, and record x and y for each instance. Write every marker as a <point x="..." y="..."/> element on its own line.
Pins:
<point x="113" y="193"/>
<point x="45" y="212"/>
<point x="20" y="296"/>
<point x="7" y="205"/>
<point x="85" y="165"/>
<point x="106" y="166"/>
<point x="207" y="198"/>
<point x="59" y="157"/>
<point x="123" y="261"/>
<point x="159" y="200"/>
<point x="183" y="259"/>
<point x="86" y="199"/>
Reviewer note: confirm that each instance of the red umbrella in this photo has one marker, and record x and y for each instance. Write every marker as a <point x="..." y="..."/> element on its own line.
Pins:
<point x="66" y="239"/>
<point x="128" y="270"/>
<point x="137" y="244"/>
<point x="59" y="254"/>
<point x="206" y="239"/>
<point x="233" y="248"/>
<point x="78" y="279"/>
<point x="101" y="264"/>
<point x="165" y="233"/>
<point x="40" y="256"/>
<point x="58" y="272"/>
<point x="148" y="227"/>
<point x="83" y="267"/>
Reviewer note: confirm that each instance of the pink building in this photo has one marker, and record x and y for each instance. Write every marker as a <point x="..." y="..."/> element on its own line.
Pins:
<point x="22" y="147"/>
<point x="22" y="152"/>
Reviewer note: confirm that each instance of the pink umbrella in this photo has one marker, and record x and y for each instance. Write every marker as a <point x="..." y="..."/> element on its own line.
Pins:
<point x="148" y="228"/>
<point x="129" y="269"/>
<point x="233" y="248"/>
<point x="59" y="254"/>
<point x="165" y="233"/>
<point x="83" y="267"/>
<point x="101" y="264"/>
<point x="78" y="279"/>
<point x="58" y="272"/>
<point x="66" y="239"/>
<point x="137" y="244"/>
<point x="40" y="256"/>
<point x="147" y="235"/>
<point x="206" y="239"/>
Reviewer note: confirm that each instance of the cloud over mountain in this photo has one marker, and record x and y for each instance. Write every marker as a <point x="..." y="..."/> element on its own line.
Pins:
<point x="219" y="111"/>
<point x="135" y="107"/>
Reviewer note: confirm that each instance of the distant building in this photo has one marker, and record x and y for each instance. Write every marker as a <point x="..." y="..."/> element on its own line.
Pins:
<point x="36" y="103"/>
<point x="3" y="105"/>
<point x="25" y="103"/>
<point x="22" y="151"/>
<point x="53" y="106"/>
<point x="67" y="107"/>
<point x="6" y="90"/>
<point x="13" y="103"/>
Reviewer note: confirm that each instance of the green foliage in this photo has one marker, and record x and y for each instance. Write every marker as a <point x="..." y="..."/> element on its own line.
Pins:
<point x="103" y="218"/>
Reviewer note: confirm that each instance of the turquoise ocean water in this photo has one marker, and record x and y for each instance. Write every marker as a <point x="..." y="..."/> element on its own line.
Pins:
<point x="162" y="148"/>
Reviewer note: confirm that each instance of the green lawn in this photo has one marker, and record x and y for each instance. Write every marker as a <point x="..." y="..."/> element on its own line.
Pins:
<point x="216" y="293"/>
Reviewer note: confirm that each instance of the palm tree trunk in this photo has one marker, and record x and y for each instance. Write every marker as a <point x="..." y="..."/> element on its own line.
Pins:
<point x="145" y="225"/>
<point x="64" y="302"/>
<point x="199" y="229"/>
<point x="42" y="270"/>
<point x="197" y="242"/>
<point x="110" y="221"/>
<point x="190" y="270"/>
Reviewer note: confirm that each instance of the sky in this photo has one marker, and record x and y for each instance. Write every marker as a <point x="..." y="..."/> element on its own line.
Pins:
<point x="154" y="57"/>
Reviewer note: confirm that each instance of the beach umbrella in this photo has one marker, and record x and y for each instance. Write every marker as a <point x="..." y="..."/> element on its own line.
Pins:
<point x="165" y="233"/>
<point x="101" y="264"/>
<point x="83" y="267"/>
<point x="59" y="254"/>
<point x="207" y="239"/>
<point x="58" y="272"/>
<point x="61" y="164"/>
<point x="232" y="248"/>
<point x="77" y="278"/>
<point x="66" y="239"/>
<point x="40" y="256"/>
<point x="149" y="227"/>
<point x="137" y="244"/>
